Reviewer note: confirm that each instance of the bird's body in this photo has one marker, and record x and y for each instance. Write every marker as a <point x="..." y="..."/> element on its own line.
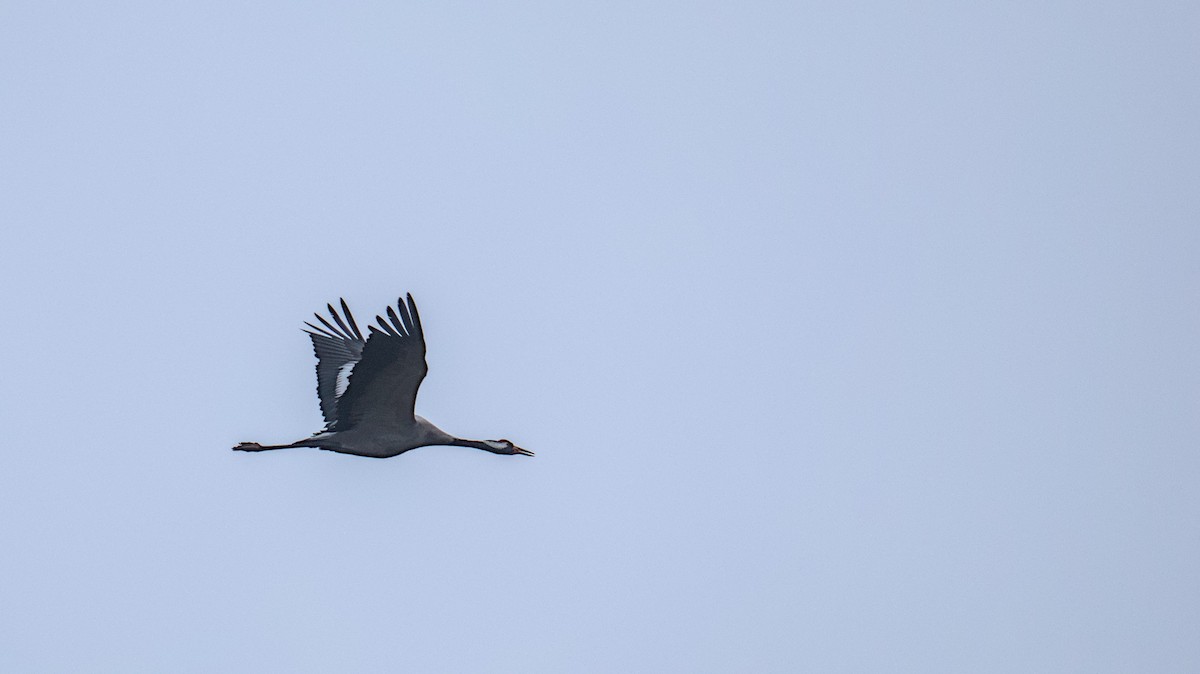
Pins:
<point x="368" y="389"/>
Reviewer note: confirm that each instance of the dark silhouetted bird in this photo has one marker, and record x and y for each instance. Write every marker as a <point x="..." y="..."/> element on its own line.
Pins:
<point x="368" y="388"/>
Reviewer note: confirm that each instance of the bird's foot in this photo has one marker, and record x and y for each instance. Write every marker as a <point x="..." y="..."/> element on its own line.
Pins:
<point x="248" y="447"/>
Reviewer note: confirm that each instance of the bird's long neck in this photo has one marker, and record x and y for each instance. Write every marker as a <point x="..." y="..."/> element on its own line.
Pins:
<point x="485" y="445"/>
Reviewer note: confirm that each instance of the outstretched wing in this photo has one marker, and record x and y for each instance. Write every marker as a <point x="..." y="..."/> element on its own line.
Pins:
<point x="338" y="351"/>
<point x="383" y="386"/>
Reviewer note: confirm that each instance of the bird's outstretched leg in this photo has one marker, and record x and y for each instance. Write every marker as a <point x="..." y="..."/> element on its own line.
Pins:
<point x="255" y="447"/>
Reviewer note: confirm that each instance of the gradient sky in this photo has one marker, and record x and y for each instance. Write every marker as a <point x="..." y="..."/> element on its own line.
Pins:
<point x="850" y="336"/>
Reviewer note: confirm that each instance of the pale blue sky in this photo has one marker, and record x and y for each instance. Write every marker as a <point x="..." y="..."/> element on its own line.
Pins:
<point x="850" y="336"/>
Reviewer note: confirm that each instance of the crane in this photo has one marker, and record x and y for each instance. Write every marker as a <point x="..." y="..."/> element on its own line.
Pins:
<point x="368" y="388"/>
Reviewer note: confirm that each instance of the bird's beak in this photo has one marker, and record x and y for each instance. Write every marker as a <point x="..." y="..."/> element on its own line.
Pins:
<point x="522" y="452"/>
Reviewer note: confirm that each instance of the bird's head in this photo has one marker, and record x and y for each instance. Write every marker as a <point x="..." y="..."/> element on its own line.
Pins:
<point x="507" y="447"/>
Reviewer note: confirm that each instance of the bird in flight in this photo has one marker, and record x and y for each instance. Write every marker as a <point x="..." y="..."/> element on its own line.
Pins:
<point x="368" y="388"/>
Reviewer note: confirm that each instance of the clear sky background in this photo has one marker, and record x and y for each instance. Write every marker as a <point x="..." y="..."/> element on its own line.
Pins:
<point x="854" y="336"/>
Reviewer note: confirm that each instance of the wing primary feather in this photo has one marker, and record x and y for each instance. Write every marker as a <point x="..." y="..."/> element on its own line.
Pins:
<point x="331" y="328"/>
<point x="374" y="330"/>
<point x="350" y="317"/>
<point x="396" y="322"/>
<point x="341" y="324"/>
<point x="318" y="331"/>
<point x="405" y="316"/>
<point x="412" y="307"/>
<point x="386" y="328"/>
